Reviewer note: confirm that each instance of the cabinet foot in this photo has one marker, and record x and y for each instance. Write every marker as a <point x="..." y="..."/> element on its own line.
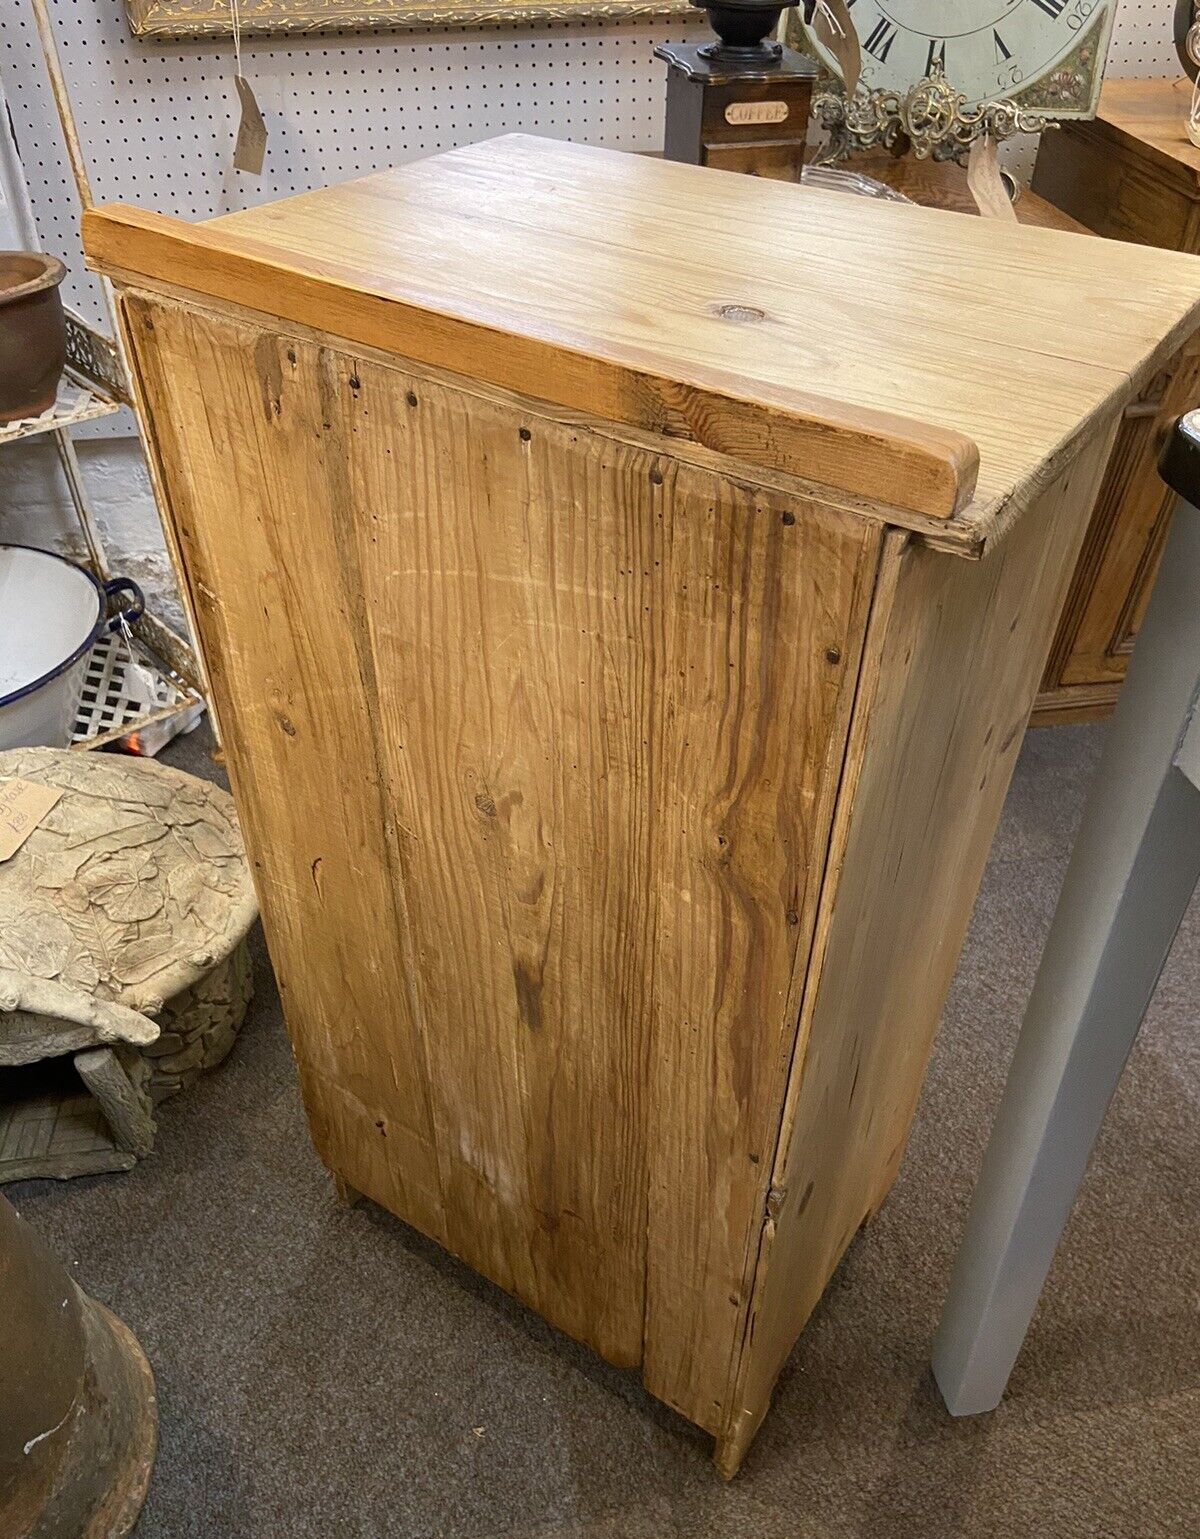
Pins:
<point x="347" y="1195"/>
<point x="729" y="1448"/>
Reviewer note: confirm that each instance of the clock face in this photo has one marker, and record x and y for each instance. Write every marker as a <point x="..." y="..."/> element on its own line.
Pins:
<point x="988" y="48"/>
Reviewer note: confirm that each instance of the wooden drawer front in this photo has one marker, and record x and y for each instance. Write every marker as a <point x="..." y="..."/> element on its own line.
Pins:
<point x="748" y="102"/>
<point x="782" y="160"/>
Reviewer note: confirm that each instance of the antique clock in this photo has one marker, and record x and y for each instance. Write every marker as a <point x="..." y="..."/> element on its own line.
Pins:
<point x="1039" y="59"/>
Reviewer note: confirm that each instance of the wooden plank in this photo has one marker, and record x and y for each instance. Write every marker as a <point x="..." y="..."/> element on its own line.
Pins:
<point x="967" y="535"/>
<point x="873" y="451"/>
<point x="275" y="621"/>
<point x="752" y="776"/>
<point x="536" y="738"/>
<point x="953" y="661"/>
<point x="515" y="261"/>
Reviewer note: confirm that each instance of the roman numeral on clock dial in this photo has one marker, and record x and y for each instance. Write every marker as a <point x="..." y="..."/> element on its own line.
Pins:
<point x="988" y="49"/>
<point x="879" y="40"/>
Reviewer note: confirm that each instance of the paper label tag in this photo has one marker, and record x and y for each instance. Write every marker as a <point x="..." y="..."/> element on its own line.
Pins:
<point x="756" y="112"/>
<point x="833" y="26"/>
<point x="23" y="805"/>
<point x="251" y="144"/>
<point x="985" y="183"/>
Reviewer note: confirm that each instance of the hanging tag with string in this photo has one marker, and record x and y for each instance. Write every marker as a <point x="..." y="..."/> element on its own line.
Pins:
<point x="833" y="27"/>
<point x="985" y="182"/>
<point x="140" y="684"/>
<point x="250" y="147"/>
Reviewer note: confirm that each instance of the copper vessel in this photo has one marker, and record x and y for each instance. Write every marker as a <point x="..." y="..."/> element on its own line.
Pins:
<point x="78" y="1424"/>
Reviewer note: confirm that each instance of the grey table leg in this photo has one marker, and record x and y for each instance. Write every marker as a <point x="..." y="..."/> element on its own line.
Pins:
<point x="1132" y="871"/>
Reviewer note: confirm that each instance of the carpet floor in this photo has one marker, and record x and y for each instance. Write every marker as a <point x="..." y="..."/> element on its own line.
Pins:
<point x="324" y="1372"/>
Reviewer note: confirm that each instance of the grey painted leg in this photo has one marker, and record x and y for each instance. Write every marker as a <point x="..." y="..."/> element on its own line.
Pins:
<point x="1133" y="869"/>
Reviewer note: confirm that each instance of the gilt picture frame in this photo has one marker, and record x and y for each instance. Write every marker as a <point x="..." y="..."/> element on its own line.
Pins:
<point x="214" y="18"/>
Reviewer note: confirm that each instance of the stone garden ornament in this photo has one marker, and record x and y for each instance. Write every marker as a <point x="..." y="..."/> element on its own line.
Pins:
<point x="123" y="962"/>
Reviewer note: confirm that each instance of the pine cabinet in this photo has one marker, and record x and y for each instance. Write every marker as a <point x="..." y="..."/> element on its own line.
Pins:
<point x="624" y="587"/>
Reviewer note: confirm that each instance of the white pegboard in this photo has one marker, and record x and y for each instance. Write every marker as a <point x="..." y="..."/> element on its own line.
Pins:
<point x="157" y="119"/>
<point x="1143" y="43"/>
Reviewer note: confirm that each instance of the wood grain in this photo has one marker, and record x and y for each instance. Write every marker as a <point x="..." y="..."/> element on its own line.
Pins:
<point x="536" y="739"/>
<point x="771" y="322"/>
<point x="953" y="662"/>
<point x="967" y="535"/>
<point x="273" y="618"/>
<point x="943" y="184"/>
<point x="868" y="450"/>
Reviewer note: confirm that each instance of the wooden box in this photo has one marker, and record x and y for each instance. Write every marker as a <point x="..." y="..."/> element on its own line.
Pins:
<point x="735" y="117"/>
<point x="624" y="587"/>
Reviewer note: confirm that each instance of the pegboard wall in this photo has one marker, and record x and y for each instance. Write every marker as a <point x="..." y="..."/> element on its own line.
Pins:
<point x="157" y="119"/>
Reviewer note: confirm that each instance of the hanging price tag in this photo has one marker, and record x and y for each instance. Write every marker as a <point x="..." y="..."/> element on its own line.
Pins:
<point x="832" y="26"/>
<point x="250" y="147"/>
<point x="985" y="183"/>
<point x="141" y="686"/>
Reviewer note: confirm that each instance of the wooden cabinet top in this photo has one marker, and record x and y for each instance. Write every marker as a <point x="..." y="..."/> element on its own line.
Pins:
<point x="1147" y="117"/>
<point x="910" y="359"/>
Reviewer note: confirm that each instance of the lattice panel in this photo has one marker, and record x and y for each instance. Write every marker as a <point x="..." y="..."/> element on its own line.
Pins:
<point x="106" y="700"/>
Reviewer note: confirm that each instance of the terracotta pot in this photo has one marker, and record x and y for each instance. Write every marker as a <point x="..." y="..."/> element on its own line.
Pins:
<point x="33" y="333"/>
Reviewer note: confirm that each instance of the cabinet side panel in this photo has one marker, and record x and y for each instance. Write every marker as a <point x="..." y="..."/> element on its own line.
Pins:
<point x="590" y="703"/>
<point x="934" y="742"/>
<point x="762" y="634"/>
<point x="242" y="459"/>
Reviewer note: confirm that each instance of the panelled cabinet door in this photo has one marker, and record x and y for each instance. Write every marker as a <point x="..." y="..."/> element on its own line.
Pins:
<point x="1124" y="542"/>
<point x="1129" y="175"/>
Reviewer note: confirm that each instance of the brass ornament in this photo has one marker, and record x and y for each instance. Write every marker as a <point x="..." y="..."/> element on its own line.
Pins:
<point x="932" y="119"/>
<point x="946" y="126"/>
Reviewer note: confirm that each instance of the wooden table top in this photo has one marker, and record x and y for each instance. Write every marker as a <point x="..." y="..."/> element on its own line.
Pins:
<point x="1149" y="117"/>
<point x="782" y="325"/>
